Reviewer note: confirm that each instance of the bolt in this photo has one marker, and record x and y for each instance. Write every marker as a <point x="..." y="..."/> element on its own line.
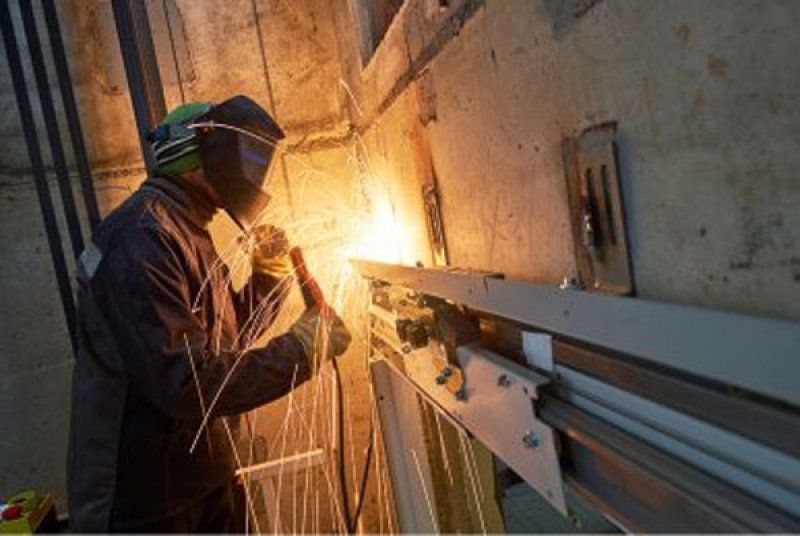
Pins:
<point x="531" y="440"/>
<point x="445" y="373"/>
<point x="503" y="381"/>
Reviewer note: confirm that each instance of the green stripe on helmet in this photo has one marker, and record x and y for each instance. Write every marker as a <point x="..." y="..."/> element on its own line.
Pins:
<point x="180" y="154"/>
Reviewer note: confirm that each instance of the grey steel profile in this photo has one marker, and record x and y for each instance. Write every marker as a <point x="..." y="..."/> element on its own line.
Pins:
<point x="51" y="125"/>
<point x="37" y="165"/>
<point x="649" y="490"/>
<point x="771" y="425"/>
<point x="71" y="112"/>
<point x="755" y="354"/>
<point x="141" y="69"/>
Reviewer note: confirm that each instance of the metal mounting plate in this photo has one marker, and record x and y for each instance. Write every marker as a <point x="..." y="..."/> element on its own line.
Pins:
<point x="598" y="216"/>
<point x="498" y="411"/>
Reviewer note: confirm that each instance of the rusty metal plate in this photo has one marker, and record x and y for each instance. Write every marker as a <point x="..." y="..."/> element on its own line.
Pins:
<point x="598" y="212"/>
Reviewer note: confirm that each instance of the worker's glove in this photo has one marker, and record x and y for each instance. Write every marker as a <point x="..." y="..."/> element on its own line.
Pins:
<point x="269" y="251"/>
<point x="323" y="336"/>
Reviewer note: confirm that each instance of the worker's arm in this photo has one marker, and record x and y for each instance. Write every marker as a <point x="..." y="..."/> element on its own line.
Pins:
<point x="259" y="303"/>
<point x="143" y="291"/>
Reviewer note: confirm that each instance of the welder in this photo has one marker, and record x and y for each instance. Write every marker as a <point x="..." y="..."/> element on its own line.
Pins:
<point x="163" y="370"/>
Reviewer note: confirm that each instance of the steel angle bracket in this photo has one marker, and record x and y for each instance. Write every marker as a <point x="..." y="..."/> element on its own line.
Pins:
<point x="497" y="408"/>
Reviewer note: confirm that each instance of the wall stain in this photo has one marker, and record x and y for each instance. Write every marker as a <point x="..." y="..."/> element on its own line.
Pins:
<point x="699" y="103"/>
<point x="775" y="106"/>
<point x="684" y="33"/>
<point x="717" y="66"/>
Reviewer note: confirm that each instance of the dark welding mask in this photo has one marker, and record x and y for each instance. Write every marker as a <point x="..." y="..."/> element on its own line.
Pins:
<point x="237" y="142"/>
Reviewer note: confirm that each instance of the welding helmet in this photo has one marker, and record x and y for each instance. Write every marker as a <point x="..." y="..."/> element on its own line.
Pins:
<point x="237" y="140"/>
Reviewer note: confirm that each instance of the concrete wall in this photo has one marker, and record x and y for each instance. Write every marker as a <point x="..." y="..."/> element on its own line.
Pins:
<point x="476" y="97"/>
<point x="706" y="99"/>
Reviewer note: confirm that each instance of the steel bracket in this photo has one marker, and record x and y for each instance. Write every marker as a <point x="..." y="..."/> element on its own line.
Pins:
<point x="497" y="407"/>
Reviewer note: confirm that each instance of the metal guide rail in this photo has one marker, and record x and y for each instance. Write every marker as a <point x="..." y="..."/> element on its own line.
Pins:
<point x="666" y="418"/>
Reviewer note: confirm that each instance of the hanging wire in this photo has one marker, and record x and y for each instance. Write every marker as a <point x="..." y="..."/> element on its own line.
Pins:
<point x="264" y="64"/>
<point x="174" y="50"/>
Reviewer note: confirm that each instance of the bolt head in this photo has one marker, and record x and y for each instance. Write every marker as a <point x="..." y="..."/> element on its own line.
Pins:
<point x="531" y="440"/>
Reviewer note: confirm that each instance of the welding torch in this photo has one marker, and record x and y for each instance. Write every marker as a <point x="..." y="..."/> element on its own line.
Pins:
<point x="309" y="288"/>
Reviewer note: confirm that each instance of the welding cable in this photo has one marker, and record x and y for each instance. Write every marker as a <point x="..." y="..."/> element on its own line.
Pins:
<point x="348" y="520"/>
<point x="364" y="476"/>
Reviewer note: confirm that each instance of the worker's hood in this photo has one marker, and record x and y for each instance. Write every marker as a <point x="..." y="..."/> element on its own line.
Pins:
<point x="238" y="140"/>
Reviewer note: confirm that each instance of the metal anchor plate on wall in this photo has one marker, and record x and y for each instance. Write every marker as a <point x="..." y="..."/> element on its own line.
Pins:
<point x="597" y="209"/>
<point x="497" y="407"/>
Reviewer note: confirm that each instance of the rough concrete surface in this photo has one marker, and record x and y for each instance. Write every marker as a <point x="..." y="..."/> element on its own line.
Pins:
<point x="36" y="358"/>
<point x="703" y="95"/>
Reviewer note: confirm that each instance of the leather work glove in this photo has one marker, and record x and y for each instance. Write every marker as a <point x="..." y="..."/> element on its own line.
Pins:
<point x="320" y="333"/>
<point x="269" y="250"/>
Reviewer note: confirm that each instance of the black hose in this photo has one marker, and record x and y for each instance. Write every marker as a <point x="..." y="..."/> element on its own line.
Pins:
<point x="348" y="520"/>
<point x="364" y="476"/>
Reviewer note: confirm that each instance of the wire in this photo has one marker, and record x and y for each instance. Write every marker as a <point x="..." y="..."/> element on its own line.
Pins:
<point x="351" y="521"/>
<point x="365" y="475"/>
<point x="174" y="50"/>
<point x="348" y="520"/>
<point x="264" y="64"/>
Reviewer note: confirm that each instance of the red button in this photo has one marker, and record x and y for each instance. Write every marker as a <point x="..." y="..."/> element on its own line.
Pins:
<point x="12" y="512"/>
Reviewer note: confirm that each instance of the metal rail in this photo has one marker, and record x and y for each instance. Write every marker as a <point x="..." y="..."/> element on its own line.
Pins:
<point x="39" y="174"/>
<point x="754" y="354"/>
<point x="646" y="488"/>
<point x="652" y="441"/>
<point x="71" y="112"/>
<point x="141" y="69"/>
<point x="51" y="125"/>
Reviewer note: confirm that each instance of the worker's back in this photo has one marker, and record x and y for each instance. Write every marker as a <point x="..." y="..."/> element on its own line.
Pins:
<point x="131" y="441"/>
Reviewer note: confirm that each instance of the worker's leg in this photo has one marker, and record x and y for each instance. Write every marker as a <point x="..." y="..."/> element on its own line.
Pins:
<point x="223" y="511"/>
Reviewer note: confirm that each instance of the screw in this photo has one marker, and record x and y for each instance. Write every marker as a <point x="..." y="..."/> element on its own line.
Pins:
<point x="531" y="440"/>
<point x="503" y="381"/>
